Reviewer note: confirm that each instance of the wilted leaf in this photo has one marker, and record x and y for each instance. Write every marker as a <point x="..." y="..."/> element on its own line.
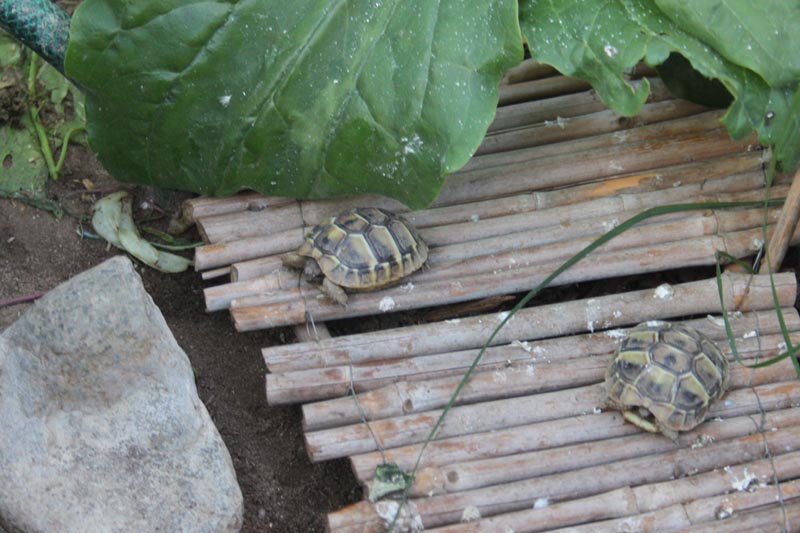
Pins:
<point x="599" y="42"/>
<point x="112" y="219"/>
<point x="308" y="98"/>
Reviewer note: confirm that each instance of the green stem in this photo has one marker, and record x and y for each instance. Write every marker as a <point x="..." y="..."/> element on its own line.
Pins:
<point x="64" y="145"/>
<point x="33" y="111"/>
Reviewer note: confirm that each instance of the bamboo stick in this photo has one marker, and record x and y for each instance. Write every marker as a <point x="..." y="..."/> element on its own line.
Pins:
<point x="215" y="273"/>
<point x="536" y="323"/>
<point x="486" y="222"/>
<point x="765" y="518"/>
<point x="628" y="501"/>
<point x="620" y="443"/>
<point x="468" y="419"/>
<point x="448" y="508"/>
<point x="547" y="357"/>
<point x="281" y="283"/>
<point x="570" y="139"/>
<point x="784" y="229"/>
<point x="590" y="165"/>
<point x="241" y="224"/>
<point x="503" y="378"/>
<point x="619" y="502"/>
<point x="525" y="91"/>
<point x="529" y="248"/>
<point x="565" y="129"/>
<point x="413" y="295"/>
<point x="761" y="491"/>
<point x="558" y="220"/>
<point x="515" y="250"/>
<point x="481" y="458"/>
<point x="205" y="206"/>
<point x="226" y="253"/>
<point x="256" y="268"/>
<point x="772" y="518"/>
<point x="734" y="174"/>
<point x="570" y="105"/>
<point x="715" y="176"/>
<point x="528" y="69"/>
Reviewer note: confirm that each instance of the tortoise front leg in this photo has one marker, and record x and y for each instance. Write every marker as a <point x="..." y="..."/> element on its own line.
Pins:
<point x="334" y="291"/>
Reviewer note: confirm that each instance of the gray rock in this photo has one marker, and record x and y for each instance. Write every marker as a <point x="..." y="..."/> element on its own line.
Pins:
<point x="101" y="428"/>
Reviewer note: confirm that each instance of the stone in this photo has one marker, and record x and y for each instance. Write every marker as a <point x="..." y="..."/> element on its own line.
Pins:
<point x="101" y="428"/>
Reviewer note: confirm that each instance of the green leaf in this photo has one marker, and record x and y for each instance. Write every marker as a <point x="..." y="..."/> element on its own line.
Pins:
<point x="600" y="42"/>
<point x="310" y="98"/>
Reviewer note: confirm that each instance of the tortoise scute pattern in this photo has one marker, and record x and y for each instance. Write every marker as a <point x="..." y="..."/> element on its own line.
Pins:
<point x="365" y="248"/>
<point x="673" y="371"/>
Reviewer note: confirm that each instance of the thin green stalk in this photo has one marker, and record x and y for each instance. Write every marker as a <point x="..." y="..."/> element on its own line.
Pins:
<point x="625" y="226"/>
<point x="64" y="145"/>
<point x="53" y="167"/>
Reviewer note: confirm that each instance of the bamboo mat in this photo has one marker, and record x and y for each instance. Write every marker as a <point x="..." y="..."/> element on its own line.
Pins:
<point x="528" y="446"/>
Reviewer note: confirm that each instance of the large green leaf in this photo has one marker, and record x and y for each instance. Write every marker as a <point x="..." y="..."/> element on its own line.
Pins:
<point x="749" y="46"/>
<point x="308" y="98"/>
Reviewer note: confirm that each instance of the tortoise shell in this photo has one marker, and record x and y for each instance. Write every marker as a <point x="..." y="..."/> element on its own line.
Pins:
<point x="365" y="248"/>
<point x="665" y="377"/>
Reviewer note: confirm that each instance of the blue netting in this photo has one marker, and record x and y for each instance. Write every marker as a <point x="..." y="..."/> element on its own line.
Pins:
<point x="39" y="24"/>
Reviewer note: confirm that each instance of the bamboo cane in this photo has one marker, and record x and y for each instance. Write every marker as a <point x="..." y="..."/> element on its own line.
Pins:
<point x="590" y="165"/>
<point x="565" y="129"/>
<point x="571" y="139"/>
<point x="570" y="105"/>
<point x="448" y="508"/>
<point x="281" y="283"/>
<point x="590" y="447"/>
<point x="500" y="377"/>
<point x="632" y="502"/>
<point x="525" y="91"/>
<point x="597" y="213"/>
<point x="619" y="502"/>
<point x="537" y="209"/>
<point x="216" y="273"/>
<point x="413" y="295"/>
<point x="241" y="224"/>
<point x="528" y="69"/>
<point x="784" y="228"/>
<point x="686" y="227"/>
<point x="529" y="248"/>
<point x="547" y="357"/>
<point x="535" y="323"/>
<point x="519" y="241"/>
<point x="771" y="518"/>
<point x="205" y="206"/>
<point x="491" y="415"/>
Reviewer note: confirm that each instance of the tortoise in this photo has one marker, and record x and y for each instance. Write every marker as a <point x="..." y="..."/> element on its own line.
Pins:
<point x="361" y="249"/>
<point x="665" y="377"/>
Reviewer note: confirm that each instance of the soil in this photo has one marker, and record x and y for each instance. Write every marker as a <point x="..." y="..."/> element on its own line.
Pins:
<point x="283" y="490"/>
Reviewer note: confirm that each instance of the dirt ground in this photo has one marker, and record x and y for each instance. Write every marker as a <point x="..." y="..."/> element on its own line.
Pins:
<point x="283" y="490"/>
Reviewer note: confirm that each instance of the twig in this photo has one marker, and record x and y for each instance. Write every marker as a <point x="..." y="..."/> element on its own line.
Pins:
<point x="30" y="297"/>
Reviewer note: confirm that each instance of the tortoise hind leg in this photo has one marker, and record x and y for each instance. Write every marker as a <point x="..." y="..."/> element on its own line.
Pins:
<point x="334" y="291"/>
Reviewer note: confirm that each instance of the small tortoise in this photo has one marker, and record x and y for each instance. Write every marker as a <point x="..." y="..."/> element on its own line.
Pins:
<point x="362" y="249"/>
<point x="665" y="377"/>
